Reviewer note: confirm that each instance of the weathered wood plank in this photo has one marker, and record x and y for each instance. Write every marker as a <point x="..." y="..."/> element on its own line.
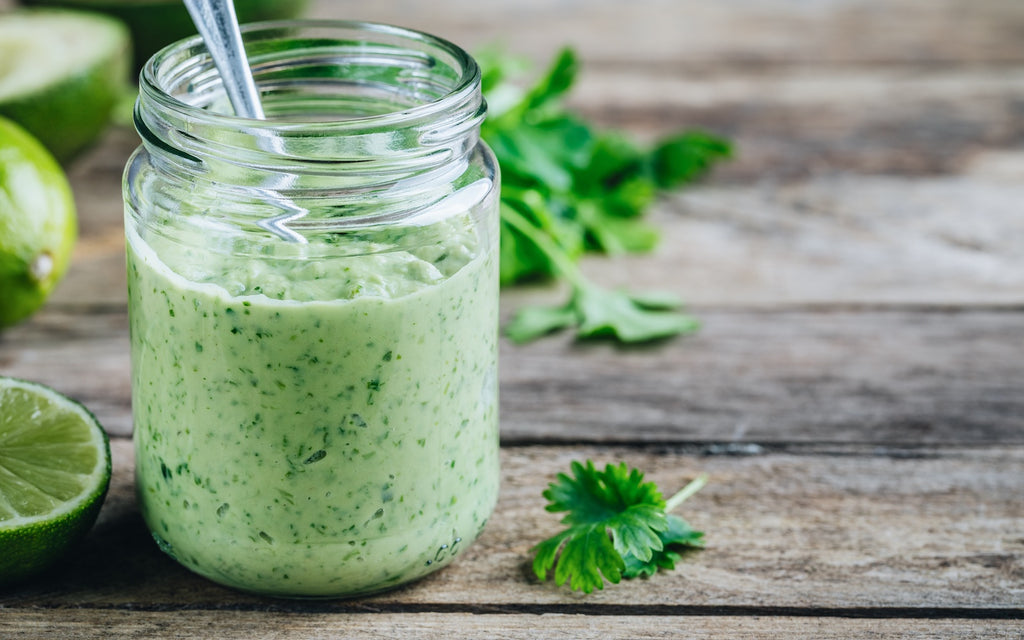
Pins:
<point x="896" y="377"/>
<point x="836" y="240"/>
<point x="696" y="35"/>
<point x="75" y="624"/>
<point x="844" y="529"/>
<point x="793" y="123"/>
<point x="97" y="274"/>
<point x="749" y="33"/>
<point x="856" y="376"/>
<point x="913" y="86"/>
<point x="84" y="354"/>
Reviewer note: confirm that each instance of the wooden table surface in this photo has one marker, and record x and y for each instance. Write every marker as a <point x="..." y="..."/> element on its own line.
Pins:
<point x="856" y="393"/>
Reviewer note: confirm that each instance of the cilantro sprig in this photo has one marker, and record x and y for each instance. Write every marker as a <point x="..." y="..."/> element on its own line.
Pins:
<point x="618" y="527"/>
<point x="595" y="311"/>
<point x="568" y="188"/>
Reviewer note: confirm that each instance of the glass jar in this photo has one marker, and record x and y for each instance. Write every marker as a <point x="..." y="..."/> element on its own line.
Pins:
<point x="313" y="304"/>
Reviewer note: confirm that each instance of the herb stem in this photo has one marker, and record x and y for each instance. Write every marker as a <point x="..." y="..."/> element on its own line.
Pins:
<point x="559" y="258"/>
<point x="693" y="487"/>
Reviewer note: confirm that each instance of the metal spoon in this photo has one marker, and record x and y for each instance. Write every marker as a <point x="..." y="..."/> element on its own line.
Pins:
<point x="217" y="22"/>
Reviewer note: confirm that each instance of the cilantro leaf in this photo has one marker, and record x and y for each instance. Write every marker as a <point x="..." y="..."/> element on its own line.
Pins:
<point x="618" y="527"/>
<point x="655" y="300"/>
<point x="683" y="157"/>
<point x="588" y="559"/>
<point x="611" y="233"/>
<point x="607" y="510"/>
<point x="601" y="312"/>
<point x="556" y="82"/>
<point x="595" y="310"/>
<point x="531" y="234"/>
<point x="542" y="155"/>
<point x="617" y="314"/>
<point x="568" y="188"/>
<point x="535" y="321"/>
<point x="677" y="537"/>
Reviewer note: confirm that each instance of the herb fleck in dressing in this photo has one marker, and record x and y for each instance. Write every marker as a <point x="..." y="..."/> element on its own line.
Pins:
<point x="314" y="428"/>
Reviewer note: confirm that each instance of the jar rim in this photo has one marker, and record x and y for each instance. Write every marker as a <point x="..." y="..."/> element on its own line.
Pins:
<point x="363" y="104"/>
<point x="462" y="91"/>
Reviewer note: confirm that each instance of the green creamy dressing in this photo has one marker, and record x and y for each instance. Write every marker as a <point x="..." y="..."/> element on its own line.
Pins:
<point x="314" y="427"/>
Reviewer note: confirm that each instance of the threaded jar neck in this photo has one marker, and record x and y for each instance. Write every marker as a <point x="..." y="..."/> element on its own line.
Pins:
<point x="349" y="105"/>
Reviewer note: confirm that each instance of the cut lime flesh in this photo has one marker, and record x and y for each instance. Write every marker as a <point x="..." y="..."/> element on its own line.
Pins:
<point x="54" y="474"/>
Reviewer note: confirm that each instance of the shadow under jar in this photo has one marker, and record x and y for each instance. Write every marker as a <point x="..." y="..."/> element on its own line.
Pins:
<point x="314" y="310"/>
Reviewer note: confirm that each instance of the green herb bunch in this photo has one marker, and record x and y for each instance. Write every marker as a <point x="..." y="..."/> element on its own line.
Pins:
<point x="568" y="188"/>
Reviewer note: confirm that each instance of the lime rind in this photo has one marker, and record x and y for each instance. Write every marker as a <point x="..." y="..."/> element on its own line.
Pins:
<point x="37" y="223"/>
<point x="51" y="491"/>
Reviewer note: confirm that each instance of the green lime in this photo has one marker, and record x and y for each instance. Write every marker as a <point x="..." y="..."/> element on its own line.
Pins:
<point x="37" y="223"/>
<point x="155" y="24"/>
<point x="61" y="72"/>
<point x="54" y="474"/>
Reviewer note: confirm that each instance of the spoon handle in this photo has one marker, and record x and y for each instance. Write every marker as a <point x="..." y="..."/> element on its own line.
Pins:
<point x="216" y="22"/>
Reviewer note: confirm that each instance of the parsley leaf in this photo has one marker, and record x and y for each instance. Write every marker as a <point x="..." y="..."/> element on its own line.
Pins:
<point x="568" y="188"/>
<point x="619" y="526"/>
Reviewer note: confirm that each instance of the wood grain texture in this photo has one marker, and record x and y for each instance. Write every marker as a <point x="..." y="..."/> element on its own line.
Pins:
<point x="789" y="124"/>
<point x="855" y="376"/>
<point x="82" y="353"/>
<point x="851" y="530"/>
<point x="836" y="240"/>
<point x="746" y="33"/>
<point x="259" y="625"/>
<point x="886" y="376"/>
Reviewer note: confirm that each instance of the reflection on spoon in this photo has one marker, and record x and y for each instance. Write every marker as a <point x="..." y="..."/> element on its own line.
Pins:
<point x="217" y="23"/>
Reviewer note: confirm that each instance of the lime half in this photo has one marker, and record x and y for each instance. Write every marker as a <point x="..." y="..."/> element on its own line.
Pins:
<point x="54" y="474"/>
<point x="61" y="73"/>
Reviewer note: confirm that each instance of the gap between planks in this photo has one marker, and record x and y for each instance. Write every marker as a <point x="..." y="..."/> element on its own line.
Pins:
<point x="345" y="607"/>
<point x="229" y="625"/>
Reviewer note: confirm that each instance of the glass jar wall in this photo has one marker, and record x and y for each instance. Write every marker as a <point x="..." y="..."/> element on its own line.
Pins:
<point x="313" y="303"/>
